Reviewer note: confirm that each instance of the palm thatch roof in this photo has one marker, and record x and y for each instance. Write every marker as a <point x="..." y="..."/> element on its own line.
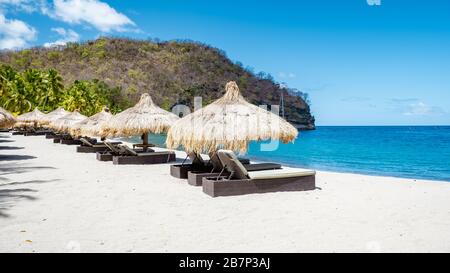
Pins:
<point x="230" y="123"/>
<point x="64" y="123"/>
<point x="7" y="120"/>
<point x="54" y="115"/>
<point x="34" y="116"/>
<point x="91" y="126"/>
<point x="21" y="125"/>
<point x="143" y="118"/>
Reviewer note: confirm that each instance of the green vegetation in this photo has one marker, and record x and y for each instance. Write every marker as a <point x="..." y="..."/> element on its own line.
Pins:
<point x="23" y="91"/>
<point x="172" y="72"/>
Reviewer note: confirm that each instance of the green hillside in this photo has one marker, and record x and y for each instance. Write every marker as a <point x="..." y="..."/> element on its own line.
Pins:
<point x="172" y="72"/>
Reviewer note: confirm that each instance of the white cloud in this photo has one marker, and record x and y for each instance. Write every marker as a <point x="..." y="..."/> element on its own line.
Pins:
<point x="66" y="37"/>
<point x="22" y="5"/>
<point x="422" y="109"/>
<point x="15" y="34"/>
<point x="92" y="12"/>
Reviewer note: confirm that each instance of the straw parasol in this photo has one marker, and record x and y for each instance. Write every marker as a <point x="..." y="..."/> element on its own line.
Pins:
<point x="54" y="115"/>
<point x="91" y="126"/>
<point x="34" y="117"/>
<point x="7" y="120"/>
<point x="64" y="124"/>
<point x="143" y="118"/>
<point x="229" y="123"/>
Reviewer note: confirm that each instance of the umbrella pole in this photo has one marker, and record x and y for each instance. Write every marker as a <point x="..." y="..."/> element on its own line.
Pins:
<point x="144" y="141"/>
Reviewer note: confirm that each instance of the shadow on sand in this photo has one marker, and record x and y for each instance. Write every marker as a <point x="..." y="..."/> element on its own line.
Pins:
<point x="10" y="148"/>
<point x="9" y="197"/>
<point x="15" y="157"/>
<point x="6" y="169"/>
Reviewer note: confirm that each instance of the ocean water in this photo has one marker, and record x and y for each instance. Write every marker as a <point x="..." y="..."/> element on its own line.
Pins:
<point x="420" y="152"/>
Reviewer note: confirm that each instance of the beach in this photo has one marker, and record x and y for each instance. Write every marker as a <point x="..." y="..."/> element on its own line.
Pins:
<point x="53" y="199"/>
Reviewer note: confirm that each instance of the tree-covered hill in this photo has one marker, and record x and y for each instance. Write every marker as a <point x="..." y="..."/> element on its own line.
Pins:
<point x="172" y="72"/>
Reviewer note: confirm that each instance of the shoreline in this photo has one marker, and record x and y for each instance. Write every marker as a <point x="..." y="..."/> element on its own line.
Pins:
<point x="55" y="200"/>
<point x="380" y="175"/>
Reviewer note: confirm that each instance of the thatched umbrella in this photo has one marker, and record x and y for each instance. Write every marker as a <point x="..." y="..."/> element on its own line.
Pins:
<point x="54" y="115"/>
<point x="7" y="120"/>
<point x="229" y="123"/>
<point x="23" y="125"/>
<point x="143" y="118"/>
<point x="91" y="126"/>
<point x="63" y="125"/>
<point x="34" y="117"/>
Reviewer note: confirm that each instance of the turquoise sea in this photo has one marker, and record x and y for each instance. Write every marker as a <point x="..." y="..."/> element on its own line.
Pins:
<point x="421" y="152"/>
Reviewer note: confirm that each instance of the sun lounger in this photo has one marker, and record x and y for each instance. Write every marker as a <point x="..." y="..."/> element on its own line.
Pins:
<point x="36" y="132"/>
<point x="197" y="165"/>
<point x="57" y="138"/>
<point x="50" y="135"/>
<point x="130" y="156"/>
<point x="195" y="178"/>
<point x="70" y="141"/>
<point x="239" y="181"/>
<point x="113" y="150"/>
<point x="107" y="155"/>
<point x="18" y="131"/>
<point x="89" y="146"/>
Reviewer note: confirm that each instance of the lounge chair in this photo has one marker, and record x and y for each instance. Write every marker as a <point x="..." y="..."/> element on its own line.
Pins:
<point x="50" y="135"/>
<point x="129" y="156"/>
<point x="195" y="177"/>
<point x="36" y="132"/>
<point x="18" y="131"/>
<point x="197" y="164"/>
<point x="239" y="181"/>
<point x="108" y="154"/>
<point x="69" y="140"/>
<point x="89" y="146"/>
<point x="57" y="138"/>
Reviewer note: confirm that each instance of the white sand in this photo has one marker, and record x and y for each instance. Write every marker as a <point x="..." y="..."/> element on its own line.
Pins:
<point x="61" y="201"/>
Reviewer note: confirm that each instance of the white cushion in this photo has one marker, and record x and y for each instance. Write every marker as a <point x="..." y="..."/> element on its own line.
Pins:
<point x="281" y="173"/>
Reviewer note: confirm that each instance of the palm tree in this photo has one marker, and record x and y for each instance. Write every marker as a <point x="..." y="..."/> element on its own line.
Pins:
<point x="7" y="75"/>
<point x="35" y="88"/>
<point x="18" y="98"/>
<point x="54" y="90"/>
<point x="84" y="96"/>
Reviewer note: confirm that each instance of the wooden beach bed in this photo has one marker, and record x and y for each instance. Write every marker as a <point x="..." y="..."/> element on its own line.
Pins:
<point x="239" y="181"/>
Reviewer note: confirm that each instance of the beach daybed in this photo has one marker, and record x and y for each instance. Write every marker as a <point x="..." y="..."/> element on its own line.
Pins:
<point x="66" y="139"/>
<point x="239" y="181"/>
<point x="130" y="156"/>
<point x="107" y="155"/>
<point x="36" y="132"/>
<point x="69" y="140"/>
<point x="215" y="168"/>
<point x="50" y="135"/>
<point x="113" y="150"/>
<point x="89" y="146"/>
<point x="198" y="164"/>
<point x="17" y="132"/>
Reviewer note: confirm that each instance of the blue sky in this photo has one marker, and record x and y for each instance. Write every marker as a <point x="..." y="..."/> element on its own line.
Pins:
<point x="361" y="64"/>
